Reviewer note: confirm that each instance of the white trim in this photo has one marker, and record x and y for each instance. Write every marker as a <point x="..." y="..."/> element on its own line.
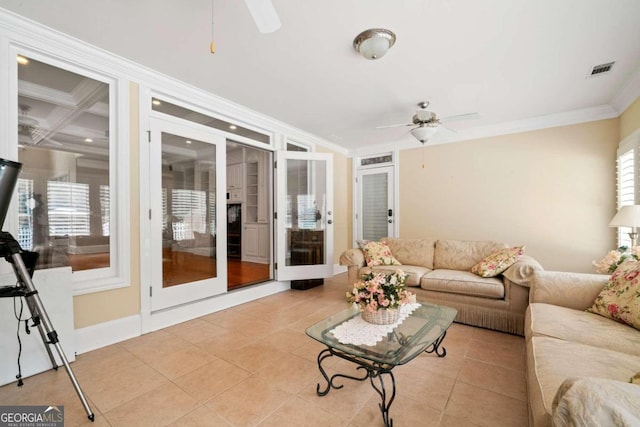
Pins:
<point x="339" y="269"/>
<point x="630" y="142"/>
<point x="627" y="93"/>
<point x="107" y="333"/>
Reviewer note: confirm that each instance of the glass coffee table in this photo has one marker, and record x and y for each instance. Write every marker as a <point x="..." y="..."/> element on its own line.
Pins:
<point x="422" y="331"/>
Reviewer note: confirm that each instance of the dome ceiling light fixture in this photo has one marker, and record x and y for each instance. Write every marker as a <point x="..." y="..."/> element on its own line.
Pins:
<point x="374" y="43"/>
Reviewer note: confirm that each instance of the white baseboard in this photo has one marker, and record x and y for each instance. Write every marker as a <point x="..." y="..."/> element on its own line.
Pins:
<point x="107" y="333"/>
<point x="338" y="269"/>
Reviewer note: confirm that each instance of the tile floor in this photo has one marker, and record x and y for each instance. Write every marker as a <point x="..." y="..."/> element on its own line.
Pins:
<point x="253" y="365"/>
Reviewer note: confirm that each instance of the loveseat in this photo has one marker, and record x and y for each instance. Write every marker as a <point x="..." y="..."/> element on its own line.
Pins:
<point x="579" y="364"/>
<point x="439" y="272"/>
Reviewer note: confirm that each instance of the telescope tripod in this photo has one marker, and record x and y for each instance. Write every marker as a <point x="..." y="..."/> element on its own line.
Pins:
<point x="11" y="251"/>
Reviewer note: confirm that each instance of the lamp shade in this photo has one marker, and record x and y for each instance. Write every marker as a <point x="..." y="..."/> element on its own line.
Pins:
<point x="627" y="216"/>
<point x="423" y="133"/>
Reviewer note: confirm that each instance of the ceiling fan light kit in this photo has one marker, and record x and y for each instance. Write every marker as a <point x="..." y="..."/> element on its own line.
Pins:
<point x="423" y="132"/>
<point x="374" y="43"/>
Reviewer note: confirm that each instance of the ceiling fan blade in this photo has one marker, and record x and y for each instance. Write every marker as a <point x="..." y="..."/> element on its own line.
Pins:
<point x="394" y="126"/>
<point x="264" y="14"/>
<point x="457" y="117"/>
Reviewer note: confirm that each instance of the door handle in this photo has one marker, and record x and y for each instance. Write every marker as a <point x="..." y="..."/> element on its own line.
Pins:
<point x="390" y="212"/>
<point x="390" y="221"/>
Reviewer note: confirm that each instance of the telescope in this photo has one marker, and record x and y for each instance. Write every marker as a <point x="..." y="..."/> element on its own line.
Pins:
<point x="23" y="263"/>
<point x="9" y="172"/>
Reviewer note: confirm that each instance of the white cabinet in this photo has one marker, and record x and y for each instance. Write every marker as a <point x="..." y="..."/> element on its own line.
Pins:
<point x="255" y="243"/>
<point x="234" y="176"/>
<point x="234" y="183"/>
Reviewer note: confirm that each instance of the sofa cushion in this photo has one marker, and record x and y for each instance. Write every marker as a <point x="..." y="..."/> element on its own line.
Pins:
<point x="414" y="273"/>
<point x="463" y="282"/>
<point x="412" y="251"/>
<point x="550" y="361"/>
<point x="620" y="298"/>
<point x="378" y="253"/>
<point x="583" y="327"/>
<point x="462" y="254"/>
<point x="497" y="262"/>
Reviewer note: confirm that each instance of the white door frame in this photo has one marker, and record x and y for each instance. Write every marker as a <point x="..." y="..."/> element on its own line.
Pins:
<point x="394" y="192"/>
<point x="162" y="298"/>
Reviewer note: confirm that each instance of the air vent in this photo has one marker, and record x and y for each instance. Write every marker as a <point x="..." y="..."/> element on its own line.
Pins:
<point x="598" y="70"/>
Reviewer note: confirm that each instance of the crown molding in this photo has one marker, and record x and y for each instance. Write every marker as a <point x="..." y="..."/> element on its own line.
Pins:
<point x="566" y="118"/>
<point x="628" y="93"/>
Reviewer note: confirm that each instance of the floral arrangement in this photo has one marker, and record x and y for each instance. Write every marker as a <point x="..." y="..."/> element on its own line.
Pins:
<point x="375" y="291"/>
<point x="614" y="258"/>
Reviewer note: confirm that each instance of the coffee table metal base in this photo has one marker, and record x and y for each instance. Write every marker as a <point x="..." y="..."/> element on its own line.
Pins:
<point x="374" y="371"/>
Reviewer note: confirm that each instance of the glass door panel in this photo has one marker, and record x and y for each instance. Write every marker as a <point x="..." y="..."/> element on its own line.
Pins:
<point x="305" y="215"/>
<point x="186" y="216"/>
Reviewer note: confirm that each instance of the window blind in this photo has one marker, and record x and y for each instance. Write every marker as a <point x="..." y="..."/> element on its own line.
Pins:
<point x="105" y="208"/>
<point x="68" y="208"/>
<point x="25" y="213"/>
<point x="374" y="206"/>
<point x="188" y="207"/>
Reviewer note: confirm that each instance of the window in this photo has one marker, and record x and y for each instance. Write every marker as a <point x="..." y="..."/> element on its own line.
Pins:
<point x="72" y="169"/>
<point x="188" y="208"/>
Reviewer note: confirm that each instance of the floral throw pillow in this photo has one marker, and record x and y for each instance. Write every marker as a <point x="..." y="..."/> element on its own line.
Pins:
<point x="498" y="262"/>
<point x="378" y="253"/>
<point x="620" y="298"/>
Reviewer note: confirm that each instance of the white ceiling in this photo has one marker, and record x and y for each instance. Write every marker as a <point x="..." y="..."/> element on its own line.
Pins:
<point x="518" y="63"/>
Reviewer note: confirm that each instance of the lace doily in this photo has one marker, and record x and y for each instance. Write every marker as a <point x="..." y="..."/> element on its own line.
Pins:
<point x="360" y="332"/>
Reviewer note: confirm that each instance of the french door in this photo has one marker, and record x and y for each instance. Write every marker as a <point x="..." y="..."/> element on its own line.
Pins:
<point x="376" y="212"/>
<point x="304" y="223"/>
<point x="187" y="200"/>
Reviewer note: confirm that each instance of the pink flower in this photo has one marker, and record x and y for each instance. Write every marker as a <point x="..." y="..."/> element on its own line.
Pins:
<point x="613" y="309"/>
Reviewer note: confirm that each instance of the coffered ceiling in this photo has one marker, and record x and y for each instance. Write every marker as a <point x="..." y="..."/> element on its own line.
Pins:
<point x="519" y="64"/>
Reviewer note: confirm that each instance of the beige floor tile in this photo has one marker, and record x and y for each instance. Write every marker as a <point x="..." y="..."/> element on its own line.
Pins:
<point x="509" y="382"/>
<point x="212" y="379"/>
<point x="161" y="406"/>
<point x="403" y="412"/>
<point x="290" y="373"/>
<point x="287" y="340"/>
<point x="344" y="402"/>
<point x="200" y="417"/>
<point x="508" y="352"/>
<point x="299" y="412"/>
<point x="472" y="405"/>
<point x="252" y="357"/>
<point x="224" y="342"/>
<point x="195" y="331"/>
<point x="249" y="402"/>
<point x="433" y="389"/>
<point x="113" y="387"/>
<point x="178" y="362"/>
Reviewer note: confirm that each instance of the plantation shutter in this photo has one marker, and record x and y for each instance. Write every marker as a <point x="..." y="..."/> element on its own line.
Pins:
<point x="69" y="213"/>
<point x="105" y="208"/>
<point x="626" y="171"/>
<point x="374" y="206"/>
<point x="189" y="208"/>
<point x="25" y="213"/>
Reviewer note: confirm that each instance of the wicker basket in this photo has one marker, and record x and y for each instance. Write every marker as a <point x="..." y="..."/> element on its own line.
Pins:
<point x="381" y="316"/>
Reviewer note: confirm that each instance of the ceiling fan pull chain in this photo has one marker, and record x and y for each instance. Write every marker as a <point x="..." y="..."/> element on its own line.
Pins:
<point x="212" y="45"/>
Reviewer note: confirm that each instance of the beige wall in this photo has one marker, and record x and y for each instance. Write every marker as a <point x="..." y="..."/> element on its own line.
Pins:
<point x="630" y="119"/>
<point x="98" y="307"/>
<point x="341" y="203"/>
<point x="552" y="189"/>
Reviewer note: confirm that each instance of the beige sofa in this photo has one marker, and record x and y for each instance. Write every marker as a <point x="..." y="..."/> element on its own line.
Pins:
<point x="440" y="272"/>
<point x="564" y="342"/>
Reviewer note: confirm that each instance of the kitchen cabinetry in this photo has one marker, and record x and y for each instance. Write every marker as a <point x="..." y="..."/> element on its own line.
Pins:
<point x="255" y="245"/>
<point x="235" y="183"/>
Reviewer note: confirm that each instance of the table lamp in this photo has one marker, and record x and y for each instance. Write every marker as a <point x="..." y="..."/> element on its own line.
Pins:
<point x="628" y="216"/>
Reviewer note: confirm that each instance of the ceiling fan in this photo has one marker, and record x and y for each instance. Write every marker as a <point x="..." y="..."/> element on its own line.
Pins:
<point x="427" y="122"/>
